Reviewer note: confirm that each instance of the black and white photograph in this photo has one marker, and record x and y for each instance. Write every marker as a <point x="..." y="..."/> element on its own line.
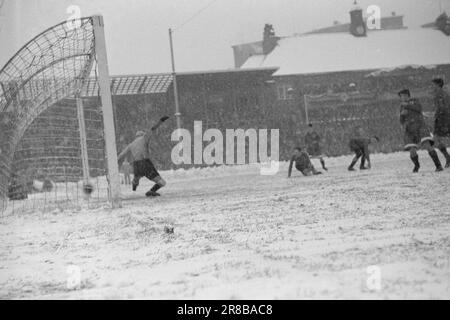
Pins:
<point x="247" y="151"/>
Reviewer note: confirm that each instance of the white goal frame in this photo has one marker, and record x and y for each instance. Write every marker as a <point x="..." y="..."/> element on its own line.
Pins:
<point x="108" y="114"/>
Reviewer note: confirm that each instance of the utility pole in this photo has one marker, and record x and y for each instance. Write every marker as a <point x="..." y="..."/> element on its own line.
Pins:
<point x="2" y="16"/>
<point x="175" y="86"/>
<point x="305" y="99"/>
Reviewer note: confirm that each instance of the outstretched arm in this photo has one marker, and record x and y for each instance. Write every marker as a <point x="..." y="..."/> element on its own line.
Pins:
<point x="155" y="127"/>
<point x="122" y="155"/>
<point x="160" y="122"/>
<point x="415" y="107"/>
<point x="148" y="134"/>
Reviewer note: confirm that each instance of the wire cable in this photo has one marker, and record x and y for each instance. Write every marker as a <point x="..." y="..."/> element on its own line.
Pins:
<point x="195" y="15"/>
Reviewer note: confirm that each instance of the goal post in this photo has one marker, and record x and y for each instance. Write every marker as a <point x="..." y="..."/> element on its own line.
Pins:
<point x="108" y="114"/>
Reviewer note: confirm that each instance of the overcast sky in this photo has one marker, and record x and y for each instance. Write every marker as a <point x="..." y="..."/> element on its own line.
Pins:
<point x="137" y="30"/>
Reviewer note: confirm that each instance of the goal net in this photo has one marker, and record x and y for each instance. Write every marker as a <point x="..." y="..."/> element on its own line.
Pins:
<point x="51" y="138"/>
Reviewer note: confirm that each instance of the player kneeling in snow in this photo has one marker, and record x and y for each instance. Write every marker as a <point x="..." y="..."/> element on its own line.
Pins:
<point x="138" y="151"/>
<point x="302" y="163"/>
<point x="416" y="133"/>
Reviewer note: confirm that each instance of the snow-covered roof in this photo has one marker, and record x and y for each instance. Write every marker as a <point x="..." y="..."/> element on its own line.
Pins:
<point x="323" y="53"/>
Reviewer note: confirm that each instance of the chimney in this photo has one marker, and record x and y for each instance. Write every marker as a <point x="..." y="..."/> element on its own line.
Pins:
<point x="443" y="23"/>
<point x="269" y="39"/>
<point x="357" y="25"/>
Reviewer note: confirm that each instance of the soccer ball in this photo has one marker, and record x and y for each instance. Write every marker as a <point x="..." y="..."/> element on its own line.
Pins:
<point x="88" y="188"/>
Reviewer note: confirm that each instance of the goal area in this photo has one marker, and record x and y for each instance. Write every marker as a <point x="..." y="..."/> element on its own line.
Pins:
<point x="56" y="147"/>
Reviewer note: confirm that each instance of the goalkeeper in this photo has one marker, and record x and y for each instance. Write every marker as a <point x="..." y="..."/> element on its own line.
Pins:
<point x="139" y="153"/>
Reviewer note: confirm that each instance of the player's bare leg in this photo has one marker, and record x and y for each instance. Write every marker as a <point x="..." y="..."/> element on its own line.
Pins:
<point x="322" y="162"/>
<point x="310" y="171"/>
<point x="363" y="163"/>
<point x="443" y="148"/>
<point x="135" y="182"/>
<point x="433" y="155"/>
<point x="354" y="161"/>
<point x="159" y="183"/>
<point x="311" y="168"/>
<point x="414" y="158"/>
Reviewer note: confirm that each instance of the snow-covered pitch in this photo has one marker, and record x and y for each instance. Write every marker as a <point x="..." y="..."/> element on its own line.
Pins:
<point x="239" y="235"/>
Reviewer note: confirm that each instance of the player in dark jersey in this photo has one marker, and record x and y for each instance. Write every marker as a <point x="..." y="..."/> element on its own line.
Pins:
<point x="313" y="145"/>
<point x="138" y="151"/>
<point x="416" y="133"/>
<point x="441" y="100"/>
<point x="302" y="163"/>
<point x="359" y="144"/>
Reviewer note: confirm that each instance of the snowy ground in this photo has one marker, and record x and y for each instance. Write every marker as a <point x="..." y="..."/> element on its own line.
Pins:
<point x="240" y="235"/>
